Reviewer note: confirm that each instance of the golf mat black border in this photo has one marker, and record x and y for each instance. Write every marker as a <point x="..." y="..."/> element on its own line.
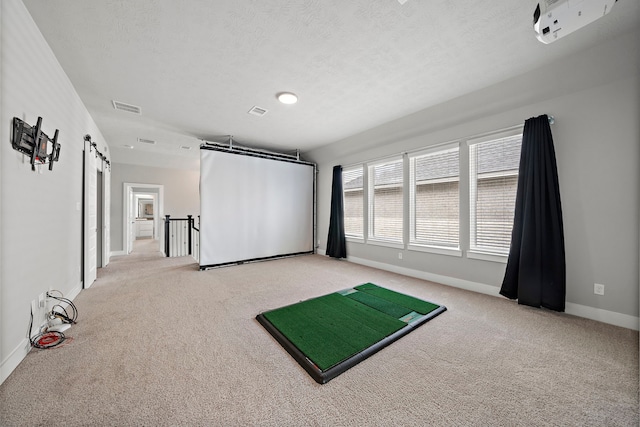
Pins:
<point x="322" y="377"/>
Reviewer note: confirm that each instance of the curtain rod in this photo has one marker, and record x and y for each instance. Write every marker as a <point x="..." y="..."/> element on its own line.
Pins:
<point x="551" y="119"/>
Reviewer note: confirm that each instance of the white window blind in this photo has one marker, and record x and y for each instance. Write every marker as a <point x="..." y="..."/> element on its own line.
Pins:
<point x="353" y="196"/>
<point x="435" y="198"/>
<point x="386" y="201"/>
<point x="493" y="174"/>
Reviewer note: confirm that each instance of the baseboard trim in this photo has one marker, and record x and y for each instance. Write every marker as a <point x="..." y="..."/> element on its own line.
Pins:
<point x="592" y="313"/>
<point x="418" y="274"/>
<point x="11" y="362"/>
<point x="117" y="253"/>
<point x="605" y="316"/>
<point x="73" y="293"/>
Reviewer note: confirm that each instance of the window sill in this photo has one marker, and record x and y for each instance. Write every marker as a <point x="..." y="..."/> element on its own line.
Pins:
<point x="487" y="256"/>
<point x="355" y="239"/>
<point x="386" y="243"/>
<point x="436" y="250"/>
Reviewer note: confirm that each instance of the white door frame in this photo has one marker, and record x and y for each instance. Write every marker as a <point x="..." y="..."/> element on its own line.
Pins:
<point x="90" y="214"/>
<point x="158" y="214"/>
<point x="106" y="215"/>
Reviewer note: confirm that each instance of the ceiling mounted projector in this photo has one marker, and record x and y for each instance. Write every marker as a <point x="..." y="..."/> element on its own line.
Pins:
<point x="554" y="19"/>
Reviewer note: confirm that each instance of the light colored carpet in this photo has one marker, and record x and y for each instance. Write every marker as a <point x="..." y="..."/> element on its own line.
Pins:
<point x="160" y="343"/>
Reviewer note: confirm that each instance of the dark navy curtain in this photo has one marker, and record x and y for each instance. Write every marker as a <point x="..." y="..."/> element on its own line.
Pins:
<point x="536" y="272"/>
<point x="336" y="241"/>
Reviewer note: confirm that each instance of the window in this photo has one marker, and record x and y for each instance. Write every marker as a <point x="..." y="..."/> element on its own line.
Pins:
<point x="435" y="198"/>
<point x="353" y="195"/>
<point x="493" y="181"/>
<point x="422" y="191"/>
<point x="385" y="201"/>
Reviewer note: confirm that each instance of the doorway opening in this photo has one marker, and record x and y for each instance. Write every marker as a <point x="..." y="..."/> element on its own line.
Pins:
<point x="142" y="214"/>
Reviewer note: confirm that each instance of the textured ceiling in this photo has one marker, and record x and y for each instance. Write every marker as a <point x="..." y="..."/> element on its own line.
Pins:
<point x="197" y="67"/>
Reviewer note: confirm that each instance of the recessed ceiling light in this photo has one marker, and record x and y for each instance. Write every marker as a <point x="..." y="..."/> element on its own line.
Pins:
<point x="287" y="97"/>
<point x="128" y="146"/>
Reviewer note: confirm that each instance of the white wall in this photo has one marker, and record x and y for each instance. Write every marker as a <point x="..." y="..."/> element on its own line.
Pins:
<point x="181" y="193"/>
<point x="595" y="98"/>
<point x="40" y="222"/>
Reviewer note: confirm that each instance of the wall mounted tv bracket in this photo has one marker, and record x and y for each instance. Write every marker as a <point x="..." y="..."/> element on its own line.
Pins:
<point x="34" y="143"/>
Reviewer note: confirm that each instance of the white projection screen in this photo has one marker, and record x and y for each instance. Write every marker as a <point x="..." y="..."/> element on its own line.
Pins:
<point x="253" y="208"/>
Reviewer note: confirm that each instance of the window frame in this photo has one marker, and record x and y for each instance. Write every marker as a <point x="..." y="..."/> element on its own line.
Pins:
<point x="414" y="243"/>
<point x="474" y="251"/>
<point x="362" y="168"/>
<point x="371" y="238"/>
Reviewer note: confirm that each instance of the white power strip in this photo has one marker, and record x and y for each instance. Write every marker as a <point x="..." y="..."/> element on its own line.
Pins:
<point x="59" y="328"/>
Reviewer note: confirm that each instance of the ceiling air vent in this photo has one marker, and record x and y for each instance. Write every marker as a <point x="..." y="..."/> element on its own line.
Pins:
<point x="257" y="111"/>
<point x="146" y="141"/>
<point x="126" y="107"/>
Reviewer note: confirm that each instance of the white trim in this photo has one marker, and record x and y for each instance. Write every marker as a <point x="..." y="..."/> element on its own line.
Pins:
<point x="471" y="139"/>
<point x="374" y="161"/>
<point x="485" y="256"/>
<point x="354" y="239"/>
<point x="435" y="249"/>
<point x="385" y="160"/>
<point x="90" y="214"/>
<point x="73" y="293"/>
<point x="499" y="134"/>
<point x="118" y="253"/>
<point x="355" y="167"/>
<point x="386" y="243"/>
<point x="445" y="280"/>
<point x="11" y="362"/>
<point x="415" y="183"/>
<point x="592" y="313"/>
<point x="604" y="316"/>
<point x="369" y="198"/>
<point x="446" y="146"/>
<point x="498" y="174"/>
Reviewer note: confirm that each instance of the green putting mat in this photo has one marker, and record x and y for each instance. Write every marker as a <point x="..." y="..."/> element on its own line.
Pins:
<point x="329" y="334"/>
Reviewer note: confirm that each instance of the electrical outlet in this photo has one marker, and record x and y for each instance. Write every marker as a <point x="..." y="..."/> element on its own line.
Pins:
<point x="399" y="255"/>
<point x="598" y="289"/>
